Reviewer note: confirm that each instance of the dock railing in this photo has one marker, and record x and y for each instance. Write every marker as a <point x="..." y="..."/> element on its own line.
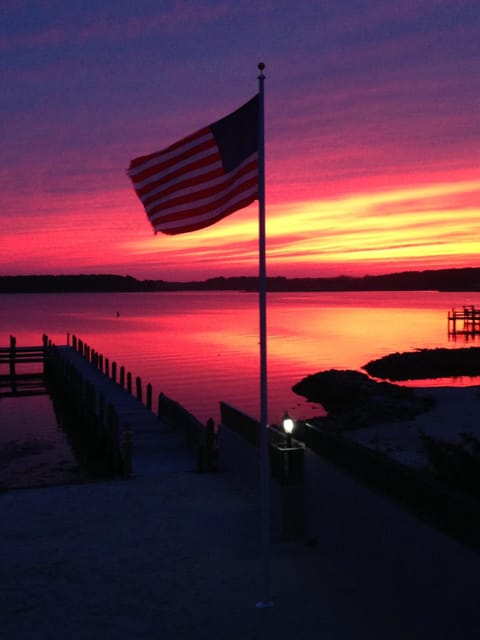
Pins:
<point x="464" y="321"/>
<point x="14" y="356"/>
<point x="201" y="438"/>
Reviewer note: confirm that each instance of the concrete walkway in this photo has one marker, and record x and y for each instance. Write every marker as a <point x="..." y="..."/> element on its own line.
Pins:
<point x="176" y="555"/>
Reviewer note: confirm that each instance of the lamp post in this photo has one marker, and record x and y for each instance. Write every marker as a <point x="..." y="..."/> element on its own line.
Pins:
<point x="288" y="426"/>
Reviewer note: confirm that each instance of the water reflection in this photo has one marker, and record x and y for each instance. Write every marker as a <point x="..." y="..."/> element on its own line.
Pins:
<point x="38" y="445"/>
<point x="34" y="451"/>
<point x="200" y="348"/>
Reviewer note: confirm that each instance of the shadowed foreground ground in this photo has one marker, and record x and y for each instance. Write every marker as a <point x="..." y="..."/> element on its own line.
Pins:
<point x="177" y="555"/>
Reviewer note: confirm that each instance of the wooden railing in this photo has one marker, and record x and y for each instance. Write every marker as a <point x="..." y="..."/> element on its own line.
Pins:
<point x="14" y="356"/>
<point x="201" y="438"/>
<point x="464" y="321"/>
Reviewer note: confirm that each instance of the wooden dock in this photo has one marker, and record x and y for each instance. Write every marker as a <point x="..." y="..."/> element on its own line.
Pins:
<point x="18" y="374"/>
<point x="464" y="321"/>
<point x="144" y="442"/>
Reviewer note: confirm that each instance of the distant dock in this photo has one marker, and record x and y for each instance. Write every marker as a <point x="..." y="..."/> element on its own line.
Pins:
<point x="464" y="321"/>
<point x="19" y="370"/>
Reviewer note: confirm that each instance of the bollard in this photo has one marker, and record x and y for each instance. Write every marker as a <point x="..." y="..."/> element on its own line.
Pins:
<point x="127" y="452"/>
<point x="287" y="490"/>
<point x="129" y="382"/>
<point x="13" y="341"/>
<point x="160" y="404"/>
<point x="122" y="376"/>
<point x="138" y="384"/>
<point x="113" y="436"/>
<point x="149" y="396"/>
<point x="101" y="408"/>
<point x="114" y="371"/>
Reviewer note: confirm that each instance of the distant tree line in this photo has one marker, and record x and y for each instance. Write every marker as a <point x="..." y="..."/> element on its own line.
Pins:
<point x="466" y="279"/>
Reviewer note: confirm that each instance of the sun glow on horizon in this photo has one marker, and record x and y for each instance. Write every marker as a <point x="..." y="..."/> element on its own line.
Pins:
<point x="422" y="226"/>
<point x="401" y="226"/>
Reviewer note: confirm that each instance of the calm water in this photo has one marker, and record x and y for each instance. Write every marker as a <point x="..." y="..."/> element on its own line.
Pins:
<point x="200" y="348"/>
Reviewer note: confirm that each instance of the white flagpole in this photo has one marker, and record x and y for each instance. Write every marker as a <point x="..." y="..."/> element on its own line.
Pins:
<point x="262" y="288"/>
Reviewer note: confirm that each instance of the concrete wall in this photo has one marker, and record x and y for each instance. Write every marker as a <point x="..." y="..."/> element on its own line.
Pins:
<point x="238" y="457"/>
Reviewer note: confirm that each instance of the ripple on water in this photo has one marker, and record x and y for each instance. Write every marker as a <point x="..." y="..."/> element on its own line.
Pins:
<point x="34" y="450"/>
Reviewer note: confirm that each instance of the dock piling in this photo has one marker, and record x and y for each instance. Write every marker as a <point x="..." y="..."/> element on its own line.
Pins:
<point x="464" y="321"/>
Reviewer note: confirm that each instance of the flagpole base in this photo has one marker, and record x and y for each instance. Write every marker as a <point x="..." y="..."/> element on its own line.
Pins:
<point x="262" y="604"/>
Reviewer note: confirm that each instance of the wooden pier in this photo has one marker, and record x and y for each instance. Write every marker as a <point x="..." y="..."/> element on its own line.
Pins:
<point x="464" y="321"/>
<point x="116" y="411"/>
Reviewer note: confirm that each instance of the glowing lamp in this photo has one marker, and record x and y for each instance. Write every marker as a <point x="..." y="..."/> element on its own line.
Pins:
<point x="288" y="427"/>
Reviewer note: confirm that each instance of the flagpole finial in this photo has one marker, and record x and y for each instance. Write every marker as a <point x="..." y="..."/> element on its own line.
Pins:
<point x="261" y="67"/>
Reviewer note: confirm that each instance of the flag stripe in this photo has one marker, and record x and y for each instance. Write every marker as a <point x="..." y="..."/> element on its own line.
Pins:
<point x="202" y="178"/>
<point x="194" y="182"/>
<point x="185" y="160"/>
<point x="190" y="142"/>
<point x="185" y="225"/>
<point x="199" y="156"/>
<point x="202" y="190"/>
<point x="245" y="192"/>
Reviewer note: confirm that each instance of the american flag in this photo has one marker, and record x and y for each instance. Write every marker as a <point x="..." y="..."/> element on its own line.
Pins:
<point x="204" y="177"/>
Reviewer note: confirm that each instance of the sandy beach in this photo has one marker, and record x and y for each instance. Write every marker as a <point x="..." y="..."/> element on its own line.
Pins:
<point x="456" y="410"/>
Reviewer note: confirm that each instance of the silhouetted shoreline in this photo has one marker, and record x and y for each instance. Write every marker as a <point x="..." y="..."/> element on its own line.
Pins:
<point x="426" y="363"/>
<point x="465" y="279"/>
<point x="354" y="399"/>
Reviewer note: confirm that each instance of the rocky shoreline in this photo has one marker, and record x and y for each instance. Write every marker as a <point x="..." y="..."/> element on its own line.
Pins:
<point x="426" y="363"/>
<point x="353" y="400"/>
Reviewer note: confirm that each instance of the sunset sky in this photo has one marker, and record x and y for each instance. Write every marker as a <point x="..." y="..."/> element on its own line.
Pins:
<point x="372" y="132"/>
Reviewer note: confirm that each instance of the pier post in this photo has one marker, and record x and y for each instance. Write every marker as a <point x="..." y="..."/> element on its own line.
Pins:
<point x="122" y="376"/>
<point x="160" y="404"/>
<point x="113" y="435"/>
<point x="149" y="396"/>
<point x="13" y="341"/>
<point x="114" y="371"/>
<point x="129" y="382"/>
<point x="138" y="383"/>
<point x="127" y="452"/>
<point x="101" y="409"/>
<point x="45" y="351"/>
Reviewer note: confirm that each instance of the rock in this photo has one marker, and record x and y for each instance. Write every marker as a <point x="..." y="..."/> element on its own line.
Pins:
<point x="426" y="363"/>
<point x="354" y="400"/>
